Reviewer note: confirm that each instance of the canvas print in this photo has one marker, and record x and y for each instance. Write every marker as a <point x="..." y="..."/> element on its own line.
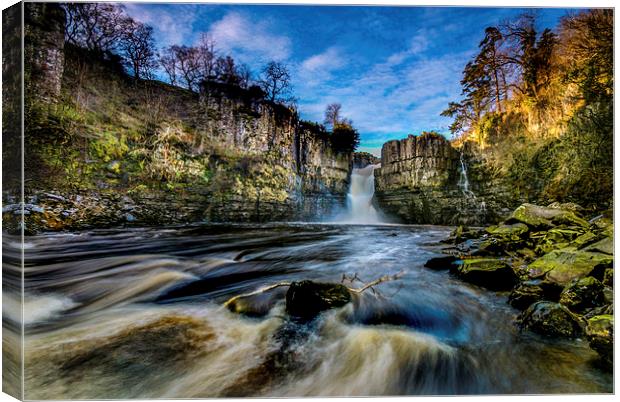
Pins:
<point x="226" y="200"/>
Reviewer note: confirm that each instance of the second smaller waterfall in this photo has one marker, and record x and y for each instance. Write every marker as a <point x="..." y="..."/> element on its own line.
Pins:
<point x="359" y="199"/>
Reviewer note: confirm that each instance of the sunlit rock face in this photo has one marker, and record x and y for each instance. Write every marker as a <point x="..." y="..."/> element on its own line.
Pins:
<point x="421" y="181"/>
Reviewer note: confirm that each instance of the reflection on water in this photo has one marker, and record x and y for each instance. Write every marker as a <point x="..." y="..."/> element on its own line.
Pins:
<point x="137" y="313"/>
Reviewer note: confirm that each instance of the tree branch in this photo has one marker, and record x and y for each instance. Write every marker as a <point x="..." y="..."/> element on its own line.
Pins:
<point x="384" y="278"/>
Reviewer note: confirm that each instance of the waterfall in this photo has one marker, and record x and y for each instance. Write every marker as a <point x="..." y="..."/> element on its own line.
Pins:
<point x="464" y="181"/>
<point x="359" y="199"/>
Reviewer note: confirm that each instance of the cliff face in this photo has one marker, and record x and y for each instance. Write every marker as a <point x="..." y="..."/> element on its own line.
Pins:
<point x="363" y="159"/>
<point x="421" y="181"/>
<point x="105" y="150"/>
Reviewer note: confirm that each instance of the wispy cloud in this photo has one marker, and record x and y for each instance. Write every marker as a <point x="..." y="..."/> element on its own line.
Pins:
<point x="318" y="69"/>
<point x="173" y="25"/>
<point x="249" y="40"/>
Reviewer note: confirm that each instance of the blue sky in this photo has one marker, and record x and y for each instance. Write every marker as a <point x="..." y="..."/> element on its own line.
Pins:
<point x="393" y="69"/>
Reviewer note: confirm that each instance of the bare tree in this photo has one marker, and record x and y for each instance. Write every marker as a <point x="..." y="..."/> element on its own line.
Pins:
<point x="227" y="70"/>
<point x="138" y="49"/>
<point x="276" y="82"/>
<point x="245" y="75"/>
<point x="189" y="65"/>
<point x="169" y="63"/>
<point x="207" y="56"/>
<point x="332" y="115"/>
<point x="95" y="26"/>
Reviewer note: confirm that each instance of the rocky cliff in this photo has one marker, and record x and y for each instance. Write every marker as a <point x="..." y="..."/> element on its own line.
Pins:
<point x="363" y="159"/>
<point x="422" y="180"/>
<point x="104" y="149"/>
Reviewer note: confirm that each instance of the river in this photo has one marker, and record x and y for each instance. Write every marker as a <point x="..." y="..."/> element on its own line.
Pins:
<point x="137" y="312"/>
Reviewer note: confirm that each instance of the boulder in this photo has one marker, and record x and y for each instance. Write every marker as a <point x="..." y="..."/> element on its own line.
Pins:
<point x="529" y="292"/>
<point x="514" y="232"/>
<point x="584" y="240"/>
<point x="605" y="246"/>
<point x="600" y="335"/>
<point x="491" y="273"/>
<point x="441" y="263"/>
<point x="564" y="265"/>
<point x="582" y="294"/>
<point x="550" y="319"/>
<point x="526" y="294"/>
<point x="462" y="233"/>
<point x="556" y="238"/>
<point x="539" y="217"/>
<point x="306" y="299"/>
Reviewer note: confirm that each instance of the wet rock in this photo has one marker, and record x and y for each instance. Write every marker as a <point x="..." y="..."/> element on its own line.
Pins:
<point x="306" y="299"/>
<point x="582" y="293"/>
<point x="440" y="263"/>
<point x="600" y="335"/>
<point x="527" y="293"/>
<point x="550" y="319"/>
<point x="564" y="265"/>
<point x="462" y="233"/>
<point x="491" y="273"/>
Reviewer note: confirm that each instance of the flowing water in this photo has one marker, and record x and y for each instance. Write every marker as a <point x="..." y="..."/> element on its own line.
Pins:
<point x="359" y="200"/>
<point x="138" y="313"/>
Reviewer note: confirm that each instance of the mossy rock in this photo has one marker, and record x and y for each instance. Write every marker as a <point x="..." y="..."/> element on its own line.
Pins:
<point x="556" y="238"/>
<point x="582" y="294"/>
<point x="462" y="233"/>
<point x="544" y="217"/>
<point x="306" y="299"/>
<point x="584" y="240"/>
<point x="512" y="232"/>
<point x="526" y="294"/>
<point x="550" y="319"/>
<point x="605" y="246"/>
<point x="604" y="226"/>
<point x="564" y="265"/>
<point x="491" y="273"/>
<point x="600" y="335"/>
<point x="608" y="277"/>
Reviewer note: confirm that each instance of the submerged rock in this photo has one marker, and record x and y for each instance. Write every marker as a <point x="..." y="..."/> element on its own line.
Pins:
<point x="550" y="319"/>
<point x="564" y="265"/>
<point x="600" y="334"/>
<point x="491" y="273"/>
<point x="306" y="299"/>
<point x="583" y="293"/>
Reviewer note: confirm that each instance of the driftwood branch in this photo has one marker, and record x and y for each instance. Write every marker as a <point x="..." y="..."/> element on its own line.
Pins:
<point x="257" y="291"/>
<point x="370" y="285"/>
<point x="384" y="278"/>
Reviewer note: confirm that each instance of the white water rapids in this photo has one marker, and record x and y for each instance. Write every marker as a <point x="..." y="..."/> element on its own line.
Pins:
<point x="359" y="199"/>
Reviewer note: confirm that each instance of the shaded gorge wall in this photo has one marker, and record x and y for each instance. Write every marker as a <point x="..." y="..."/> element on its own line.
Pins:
<point x="421" y="180"/>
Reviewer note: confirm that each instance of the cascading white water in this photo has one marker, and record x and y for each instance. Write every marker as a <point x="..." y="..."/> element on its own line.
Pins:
<point x="464" y="181"/>
<point x="359" y="199"/>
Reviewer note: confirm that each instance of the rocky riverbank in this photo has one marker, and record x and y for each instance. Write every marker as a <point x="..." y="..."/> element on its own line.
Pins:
<point x="556" y="264"/>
